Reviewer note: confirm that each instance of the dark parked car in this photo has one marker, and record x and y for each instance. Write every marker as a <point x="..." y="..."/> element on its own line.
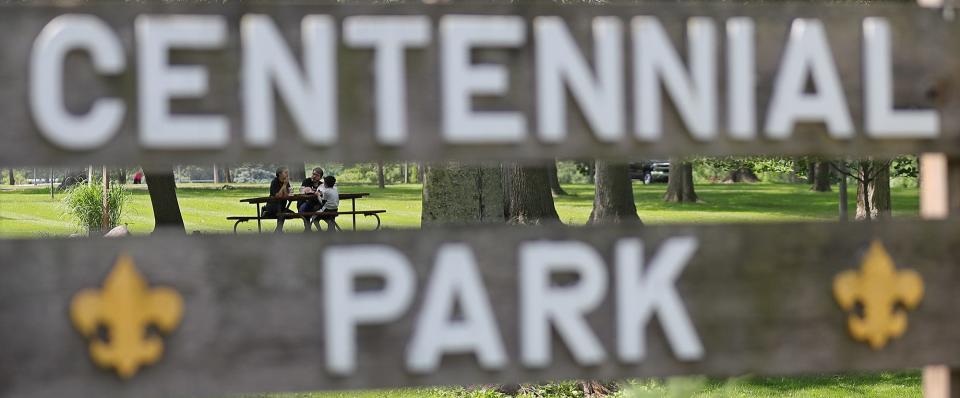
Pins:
<point x="650" y="171"/>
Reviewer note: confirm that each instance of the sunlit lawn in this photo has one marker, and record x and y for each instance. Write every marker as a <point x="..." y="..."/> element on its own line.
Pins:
<point x="878" y="385"/>
<point x="29" y="211"/>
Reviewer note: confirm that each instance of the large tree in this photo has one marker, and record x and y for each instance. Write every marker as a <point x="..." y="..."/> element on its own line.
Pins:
<point x="877" y="198"/>
<point x="381" y="179"/>
<point x="555" y="187"/>
<point x="680" y="183"/>
<point x="873" y="186"/>
<point x="529" y="200"/>
<point x="163" y="197"/>
<point x="613" y="200"/>
<point x="228" y="176"/>
<point x="821" y="176"/>
<point x="298" y="172"/>
<point x="455" y="193"/>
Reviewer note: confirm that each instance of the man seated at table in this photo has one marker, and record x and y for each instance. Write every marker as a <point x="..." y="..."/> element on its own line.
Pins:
<point x="279" y="189"/>
<point x="310" y="186"/>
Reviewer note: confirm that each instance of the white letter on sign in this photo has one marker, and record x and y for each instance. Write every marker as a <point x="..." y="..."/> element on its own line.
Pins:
<point x="599" y="95"/>
<point x="562" y="306"/>
<point x="882" y="121"/>
<point x="741" y="79"/>
<point x="694" y="93"/>
<point x="389" y="36"/>
<point x="158" y="81"/>
<point x="808" y="52"/>
<point x="641" y="293"/>
<point x="310" y="96"/>
<point x="455" y="278"/>
<point x="344" y="308"/>
<point x="461" y="80"/>
<point x="63" y="34"/>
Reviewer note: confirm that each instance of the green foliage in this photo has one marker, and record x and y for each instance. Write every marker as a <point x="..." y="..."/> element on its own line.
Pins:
<point x="566" y="389"/>
<point x="674" y="387"/>
<point x="470" y="392"/>
<point x="905" y="166"/>
<point x="585" y="168"/>
<point x="366" y="173"/>
<point x="570" y="172"/>
<point x="20" y="176"/>
<point x="84" y="204"/>
<point x="774" y="168"/>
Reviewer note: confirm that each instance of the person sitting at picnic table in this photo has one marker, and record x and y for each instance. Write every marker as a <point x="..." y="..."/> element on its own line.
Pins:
<point x="311" y="185"/>
<point x="330" y="199"/>
<point x="279" y="188"/>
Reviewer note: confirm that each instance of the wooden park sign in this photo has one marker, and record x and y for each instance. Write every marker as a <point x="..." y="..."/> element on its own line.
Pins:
<point x="471" y="305"/>
<point x="172" y="83"/>
<point x="159" y="84"/>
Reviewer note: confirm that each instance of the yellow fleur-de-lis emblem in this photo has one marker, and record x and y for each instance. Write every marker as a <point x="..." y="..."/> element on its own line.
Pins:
<point x="125" y="308"/>
<point x="878" y="287"/>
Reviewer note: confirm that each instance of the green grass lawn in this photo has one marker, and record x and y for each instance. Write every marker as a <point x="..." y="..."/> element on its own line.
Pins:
<point x="30" y="212"/>
<point x="859" y="385"/>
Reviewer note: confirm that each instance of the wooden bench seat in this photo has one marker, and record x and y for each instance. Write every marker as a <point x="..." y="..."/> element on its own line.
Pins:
<point x="368" y="213"/>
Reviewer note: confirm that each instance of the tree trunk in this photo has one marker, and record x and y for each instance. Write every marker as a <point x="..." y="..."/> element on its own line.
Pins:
<point x="555" y="187"/>
<point x="298" y="173"/>
<point x="216" y="177"/>
<point x="529" y="201"/>
<point x="613" y="200"/>
<point x="105" y="211"/>
<point x="821" y="179"/>
<point x="13" y="181"/>
<point x="876" y="201"/>
<point x="381" y="180"/>
<point x="421" y="171"/>
<point x="458" y="194"/>
<point x="680" y="183"/>
<point x="71" y="178"/>
<point x="843" y="206"/>
<point x="812" y="171"/>
<point x="163" y="197"/>
<point x="741" y="174"/>
<point x="406" y="173"/>
<point x="880" y="192"/>
<point x="228" y="176"/>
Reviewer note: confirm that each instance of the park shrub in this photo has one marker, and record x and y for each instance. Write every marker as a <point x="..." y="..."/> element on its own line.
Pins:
<point x="904" y="182"/>
<point x="574" y="172"/>
<point x="83" y="203"/>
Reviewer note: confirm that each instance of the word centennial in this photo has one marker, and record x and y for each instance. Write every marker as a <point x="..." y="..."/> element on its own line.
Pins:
<point x="620" y="73"/>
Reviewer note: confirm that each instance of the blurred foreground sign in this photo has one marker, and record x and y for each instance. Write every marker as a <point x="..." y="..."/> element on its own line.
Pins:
<point x="177" y="83"/>
<point x="202" y="316"/>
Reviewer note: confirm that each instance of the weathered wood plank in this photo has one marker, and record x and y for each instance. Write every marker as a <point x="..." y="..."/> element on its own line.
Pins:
<point x="759" y="297"/>
<point x="924" y="62"/>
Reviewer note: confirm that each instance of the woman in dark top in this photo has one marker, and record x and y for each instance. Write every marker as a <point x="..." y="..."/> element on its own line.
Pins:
<point x="279" y="188"/>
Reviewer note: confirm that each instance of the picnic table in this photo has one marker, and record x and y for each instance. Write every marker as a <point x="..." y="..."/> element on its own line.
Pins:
<point x="260" y="201"/>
